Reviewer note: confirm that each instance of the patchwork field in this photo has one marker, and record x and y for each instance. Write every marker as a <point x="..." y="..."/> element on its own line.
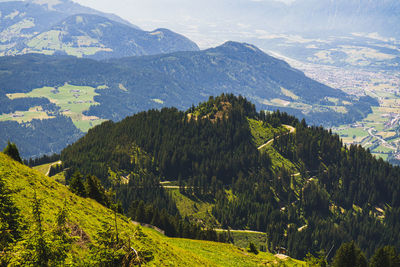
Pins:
<point x="380" y="130"/>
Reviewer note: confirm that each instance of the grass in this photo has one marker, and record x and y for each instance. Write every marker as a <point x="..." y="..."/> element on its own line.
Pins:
<point x="229" y="255"/>
<point x="26" y="116"/>
<point x="243" y="238"/>
<point x="348" y="134"/>
<point x="43" y="169"/>
<point x="383" y="149"/>
<point x="49" y="42"/>
<point x="72" y="100"/>
<point x="90" y="216"/>
<point x="278" y="161"/>
<point x="194" y="208"/>
<point x="262" y="133"/>
<point x="289" y="93"/>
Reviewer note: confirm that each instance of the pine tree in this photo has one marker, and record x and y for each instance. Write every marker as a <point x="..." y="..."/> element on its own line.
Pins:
<point x="106" y="250"/>
<point x="385" y="257"/>
<point x="61" y="241"/>
<point x="37" y="251"/>
<point x="12" y="151"/>
<point x="46" y="248"/>
<point x="252" y="248"/>
<point x="95" y="190"/>
<point x="349" y="255"/>
<point x="76" y="185"/>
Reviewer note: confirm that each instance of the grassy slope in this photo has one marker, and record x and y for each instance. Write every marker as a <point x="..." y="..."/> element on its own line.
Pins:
<point x="45" y="168"/>
<point x="194" y="208"/>
<point x="262" y="133"/>
<point x="90" y="216"/>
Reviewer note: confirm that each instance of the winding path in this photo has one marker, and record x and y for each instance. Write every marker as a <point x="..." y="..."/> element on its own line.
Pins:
<point x="54" y="163"/>
<point x="291" y="130"/>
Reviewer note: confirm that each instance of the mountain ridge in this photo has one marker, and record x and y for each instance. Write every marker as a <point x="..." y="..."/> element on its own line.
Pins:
<point x="34" y="26"/>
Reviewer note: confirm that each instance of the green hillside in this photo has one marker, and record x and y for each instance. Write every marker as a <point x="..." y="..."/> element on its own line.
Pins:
<point x="303" y="188"/>
<point x="88" y="217"/>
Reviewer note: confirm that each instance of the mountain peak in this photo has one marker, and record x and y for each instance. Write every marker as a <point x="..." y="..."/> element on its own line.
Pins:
<point x="237" y="46"/>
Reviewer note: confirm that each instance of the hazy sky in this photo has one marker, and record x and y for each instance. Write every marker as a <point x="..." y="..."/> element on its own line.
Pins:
<point x="207" y="22"/>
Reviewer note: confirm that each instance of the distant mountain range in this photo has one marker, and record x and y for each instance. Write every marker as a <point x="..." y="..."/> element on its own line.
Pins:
<point x="89" y="91"/>
<point x="64" y="27"/>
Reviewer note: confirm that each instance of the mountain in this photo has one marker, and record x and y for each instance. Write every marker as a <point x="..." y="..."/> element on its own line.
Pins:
<point x="89" y="91"/>
<point x="86" y="221"/>
<point x="66" y="27"/>
<point x="20" y="20"/>
<point x="98" y="37"/>
<point x="245" y="169"/>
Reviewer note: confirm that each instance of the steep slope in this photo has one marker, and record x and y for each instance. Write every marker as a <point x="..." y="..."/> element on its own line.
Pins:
<point x="303" y="188"/>
<point x="47" y="27"/>
<point x="86" y="218"/>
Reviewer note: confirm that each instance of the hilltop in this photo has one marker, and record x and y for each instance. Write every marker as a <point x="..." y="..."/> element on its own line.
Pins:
<point x="229" y="166"/>
<point x="86" y="219"/>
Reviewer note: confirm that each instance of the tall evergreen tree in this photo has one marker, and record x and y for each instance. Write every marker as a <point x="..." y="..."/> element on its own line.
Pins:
<point x="95" y="190"/>
<point x="385" y="257"/>
<point x="349" y="255"/>
<point x="76" y="185"/>
<point x="12" y="151"/>
<point x="37" y="251"/>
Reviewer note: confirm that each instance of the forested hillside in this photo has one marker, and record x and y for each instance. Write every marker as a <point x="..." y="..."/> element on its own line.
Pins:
<point x="306" y="190"/>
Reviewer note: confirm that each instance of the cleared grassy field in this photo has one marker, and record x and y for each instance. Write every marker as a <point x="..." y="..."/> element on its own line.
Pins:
<point x="194" y="208"/>
<point x="262" y="133"/>
<point x="278" y="161"/>
<point x="383" y="149"/>
<point x="26" y="116"/>
<point x="43" y="169"/>
<point x="243" y="238"/>
<point x="353" y="134"/>
<point x="50" y="41"/>
<point x="72" y="100"/>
